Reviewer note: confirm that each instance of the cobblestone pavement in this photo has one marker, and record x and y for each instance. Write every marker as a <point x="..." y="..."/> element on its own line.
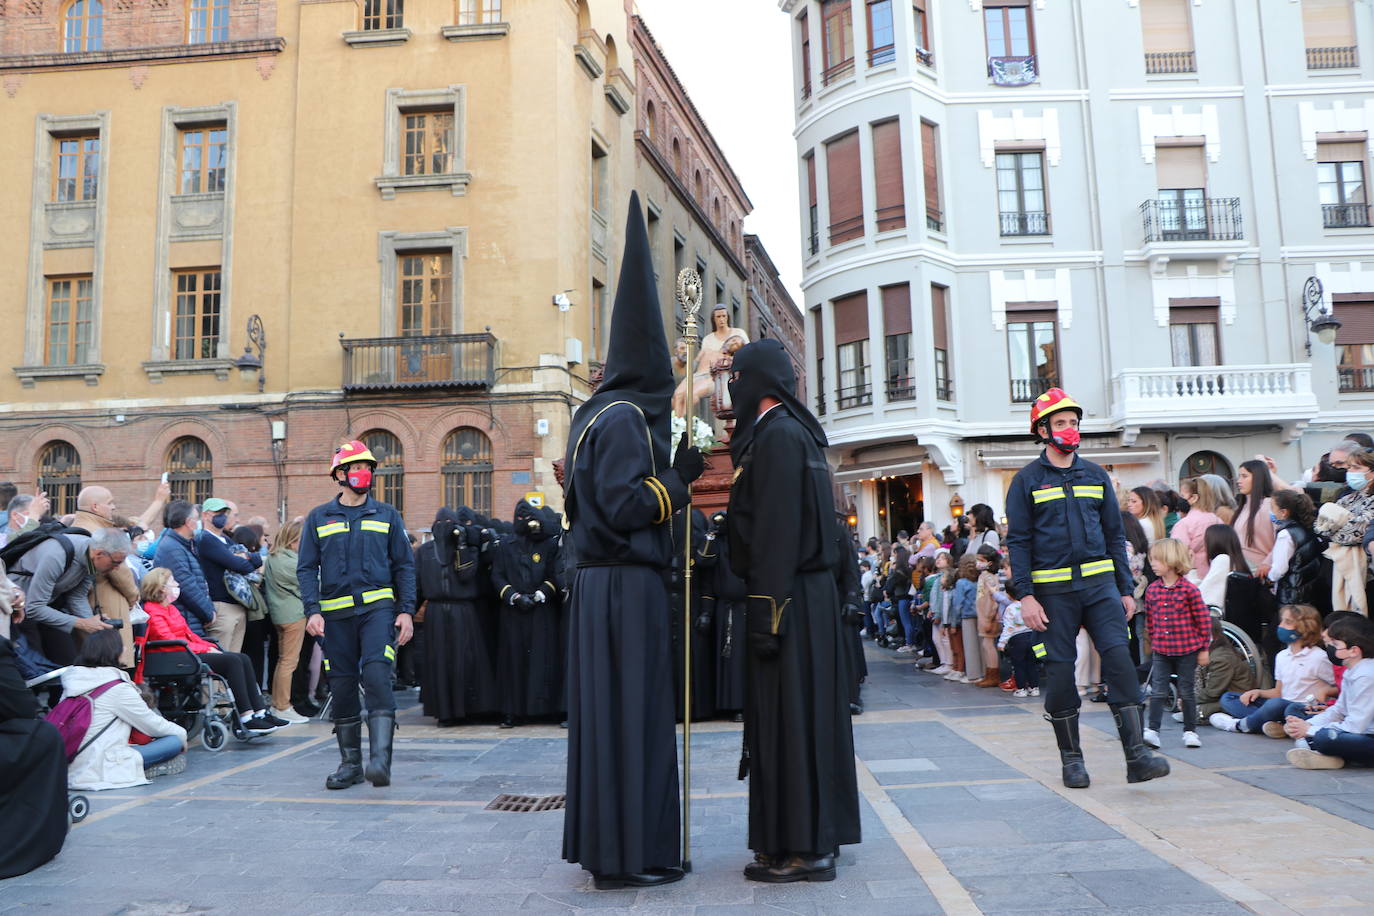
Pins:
<point x="962" y="813"/>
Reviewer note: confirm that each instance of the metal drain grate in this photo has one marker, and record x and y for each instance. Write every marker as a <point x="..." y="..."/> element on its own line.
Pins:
<point x="527" y="803"/>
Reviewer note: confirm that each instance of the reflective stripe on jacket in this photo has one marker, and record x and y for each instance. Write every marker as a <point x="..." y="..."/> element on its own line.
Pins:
<point x="345" y="565"/>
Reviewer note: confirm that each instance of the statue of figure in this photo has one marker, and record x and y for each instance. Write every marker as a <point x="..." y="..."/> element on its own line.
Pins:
<point x="712" y="349"/>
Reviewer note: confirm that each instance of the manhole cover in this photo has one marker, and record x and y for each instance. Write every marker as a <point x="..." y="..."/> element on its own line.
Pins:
<point x="527" y="803"/>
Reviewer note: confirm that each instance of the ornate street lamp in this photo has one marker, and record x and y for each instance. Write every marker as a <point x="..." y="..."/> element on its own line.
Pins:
<point x="248" y="364"/>
<point x="1316" y="315"/>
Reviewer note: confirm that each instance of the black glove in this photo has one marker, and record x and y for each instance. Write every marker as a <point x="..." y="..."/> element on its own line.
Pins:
<point x="523" y="603"/>
<point x="851" y="615"/>
<point x="703" y="623"/>
<point x="765" y="645"/>
<point x="688" y="460"/>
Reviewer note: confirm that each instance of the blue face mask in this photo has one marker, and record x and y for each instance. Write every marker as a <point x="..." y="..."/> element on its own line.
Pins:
<point x="1273" y="519"/>
<point x="1286" y="636"/>
<point x="1356" y="480"/>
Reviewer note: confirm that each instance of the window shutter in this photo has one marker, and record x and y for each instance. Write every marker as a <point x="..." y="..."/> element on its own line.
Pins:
<point x="887" y="171"/>
<point x="1357" y="323"/>
<point x="1193" y="315"/>
<point x="939" y="316"/>
<point x="851" y="318"/>
<point x="1352" y="151"/>
<point x="1328" y="23"/>
<point x="931" y="166"/>
<point x="1180" y="167"/>
<point x="811" y="179"/>
<point x="845" y="188"/>
<point x="897" y="309"/>
<point x="1166" y="25"/>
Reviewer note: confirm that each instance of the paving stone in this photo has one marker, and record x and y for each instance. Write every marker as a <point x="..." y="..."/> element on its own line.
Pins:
<point x="1127" y="887"/>
<point x="1018" y="893"/>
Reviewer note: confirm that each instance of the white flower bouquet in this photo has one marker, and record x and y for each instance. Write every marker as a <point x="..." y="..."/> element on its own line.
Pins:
<point x="703" y="437"/>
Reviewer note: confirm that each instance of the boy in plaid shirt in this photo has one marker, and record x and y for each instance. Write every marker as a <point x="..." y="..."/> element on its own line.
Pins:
<point x="1180" y="628"/>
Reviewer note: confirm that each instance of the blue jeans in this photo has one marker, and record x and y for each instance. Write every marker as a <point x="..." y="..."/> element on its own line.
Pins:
<point x="1349" y="747"/>
<point x="159" y="750"/>
<point x="904" y="615"/>
<point x="1252" y="716"/>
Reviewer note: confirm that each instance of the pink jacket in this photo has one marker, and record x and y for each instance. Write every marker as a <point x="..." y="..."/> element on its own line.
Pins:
<point x="1258" y="550"/>
<point x="1190" y="530"/>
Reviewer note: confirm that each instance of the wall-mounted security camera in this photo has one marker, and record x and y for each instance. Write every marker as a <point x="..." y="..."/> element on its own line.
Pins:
<point x="562" y="301"/>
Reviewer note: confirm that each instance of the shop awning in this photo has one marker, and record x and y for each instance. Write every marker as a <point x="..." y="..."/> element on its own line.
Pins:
<point x="895" y="467"/>
<point x="1101" y="455"/>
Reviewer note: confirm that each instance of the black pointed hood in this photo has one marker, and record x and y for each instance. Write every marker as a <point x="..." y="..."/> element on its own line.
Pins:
<point x="445" y="535"/>
<point x="763" y="369"/>
<point x="638" y="366"/>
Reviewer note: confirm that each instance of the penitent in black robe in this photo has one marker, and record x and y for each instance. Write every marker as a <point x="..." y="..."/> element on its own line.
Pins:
<point x="849" y="583"/>
<point x="33" y="776"/>
<point x="703" y="655"/>
<point x="457" y="680"/>
<point x="803" y="792"/>
<point x="529" y="664"/>
<point x="622" y="809"/>
<point x="723" y="599"/>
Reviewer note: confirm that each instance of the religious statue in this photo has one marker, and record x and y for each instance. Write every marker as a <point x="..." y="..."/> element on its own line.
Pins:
<point x="712" y="350"/>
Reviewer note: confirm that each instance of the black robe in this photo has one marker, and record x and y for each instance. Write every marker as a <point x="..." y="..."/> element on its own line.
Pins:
<point x="458" y="679"/>
<point x="703" y="654"/>
<point x="850" y="586"/>
<point x="622" y="809"/>
<point x="723" y="599"/>
<point x="529" y="663"/>
<point x="33" y="776"/>
<point x="803" y="792"/>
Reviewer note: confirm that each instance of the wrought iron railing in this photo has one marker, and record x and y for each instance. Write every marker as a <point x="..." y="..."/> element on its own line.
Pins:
<point x="1013" y="71"/>
<point x="838" y="72"/>
<point x="806" y="88"/>
<point x="846" y="229"/>
<point x="901" y="388"/>
<point x="884" y="55"/>
<point x="820" y="404"/>
<point x="1345" y="216"/>
<point x="815" y="236"/>
<point x="1361" y="379"/>
<point x="1332" y="58"/>
<point x="1026" y="222"/>
<point x="1025" y="390"/>
<point x="935" y="220"/>
<point x="925" y="57"/>
<point x="854" y="396"/>
<point x="1215" y="219"/>
<point x="944" y="389"/>
<point x="890" y="217"/>
<point x="436" y="361"/>
<point x="1170" y="61"/>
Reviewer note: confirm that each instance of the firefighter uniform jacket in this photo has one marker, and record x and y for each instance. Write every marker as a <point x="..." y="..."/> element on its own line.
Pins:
<point x="1064" y="529"/>
<point x="351" y="557"/>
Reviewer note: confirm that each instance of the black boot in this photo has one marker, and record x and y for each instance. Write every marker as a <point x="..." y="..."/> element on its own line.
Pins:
<point x="380" y="727"/>
<point x="349" y="733"/>
<point x="1070" y="751"/>
<point x="1141" y="764"/>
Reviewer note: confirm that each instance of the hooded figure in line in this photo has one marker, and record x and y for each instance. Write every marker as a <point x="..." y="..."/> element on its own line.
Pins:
<point x="529" y="663"/>
<point x="622" y="822"/>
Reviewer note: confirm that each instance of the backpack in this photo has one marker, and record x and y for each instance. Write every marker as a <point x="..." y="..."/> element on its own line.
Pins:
<point x="12" y="552"/>
<point x="72" y="717"/>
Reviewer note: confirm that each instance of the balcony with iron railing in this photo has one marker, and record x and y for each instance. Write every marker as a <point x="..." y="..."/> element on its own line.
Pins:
<point x="889" y="218"/>
<point x="1025" y="222"/>
<point x="1345" y="216"/>
<point x="854" y="396"/>
<point x="847" y="229"/>
<point x="461" y="361"/>
<point x="1217" y="395"/>
<point x="935" y="220"/>
<point x="1355" y="378"/>
<point x="901" y="388"/>
<point x="1025" y="390"/>
<point x="1013" y="71"/>
<point x="838" y="72"/>
<point x="1333" y="58"/>
<point x="1157" y="62"/>
<point x="1214" y="219"/>
<point x="944" y="389"/>
<point x="883" y="55"/>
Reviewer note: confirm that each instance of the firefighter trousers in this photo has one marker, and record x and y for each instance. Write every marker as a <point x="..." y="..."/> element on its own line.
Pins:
<point x="360" y="649"/>
<point x="1095" y="607"/>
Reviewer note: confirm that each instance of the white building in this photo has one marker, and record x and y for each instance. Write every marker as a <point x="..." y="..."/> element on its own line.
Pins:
<point x="1124" y="198"/>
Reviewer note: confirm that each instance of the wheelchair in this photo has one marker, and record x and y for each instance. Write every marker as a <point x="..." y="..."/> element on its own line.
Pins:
<point x="190" y="694"/>
<point x="47" y="689"/>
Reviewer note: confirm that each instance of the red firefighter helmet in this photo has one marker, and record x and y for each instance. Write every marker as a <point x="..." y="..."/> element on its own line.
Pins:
<point x="348" y="453"/>
<point x="1051" y="401"/>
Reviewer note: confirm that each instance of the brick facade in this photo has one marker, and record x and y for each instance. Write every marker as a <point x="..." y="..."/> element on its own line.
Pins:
<point x="30" y="27"/>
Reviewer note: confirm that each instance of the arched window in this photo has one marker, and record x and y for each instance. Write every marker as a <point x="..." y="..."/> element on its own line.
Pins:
<point x="696" y="185"/>
<point x="83" y="26"/>
<point x="190" y="470"/>
<point x="677" y="157"/>
<point x="650" y="120"/>
<point x="467" y="470"/>
<point x="388" y="482"/>
<point x="715" y="211"/>
<point x="1200" y="463"/>
<point x="59" y="476"/>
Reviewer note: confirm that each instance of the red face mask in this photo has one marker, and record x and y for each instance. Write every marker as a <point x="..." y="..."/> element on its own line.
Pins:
<point x="1065" y="440"/>
<point x="360" y="479"/>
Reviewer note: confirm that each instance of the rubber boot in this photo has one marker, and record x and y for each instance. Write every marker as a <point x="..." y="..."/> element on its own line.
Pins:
<point x="1070" y="751"/>
<point x="1141" y="764"/>
<point x="349" y="733"/>
<point x="380" y="727"/>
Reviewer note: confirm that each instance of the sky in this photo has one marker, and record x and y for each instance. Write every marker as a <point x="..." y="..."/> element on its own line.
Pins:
<point x="740" y="79"/>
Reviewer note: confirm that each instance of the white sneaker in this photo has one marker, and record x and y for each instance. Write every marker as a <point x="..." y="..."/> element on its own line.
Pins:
<point x="1035" y="691"/>
<point x="1177" y="716"/>
<point x="905" y="650"/>
<point x="1301" y="744"/>
<point x="943" y="669"/>
<point x="962" y="679"/>
<point x="1190" y="739"/>
<point x="953" y="675"/>
<point x="1222" y="722"/>
<point x="1020" y="692"/>
<point x="290" y="715"/>
<point x="1151" y="737"/>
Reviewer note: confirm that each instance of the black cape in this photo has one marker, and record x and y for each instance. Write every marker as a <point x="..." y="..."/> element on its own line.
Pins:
<point x="457" y="678"/>
<point x="33" y="776"/>
<point x="803" y="792"/>
<point x="723" y="601"/>
<point x="703" y="654"/>
<point x="529" y="663"/>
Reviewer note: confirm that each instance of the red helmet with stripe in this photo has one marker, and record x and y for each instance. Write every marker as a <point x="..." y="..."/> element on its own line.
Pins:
<point x="1052" y="401"/>
<point x="350" y="452"/>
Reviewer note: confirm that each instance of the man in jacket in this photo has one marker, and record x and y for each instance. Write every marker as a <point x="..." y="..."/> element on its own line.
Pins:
<point x="57" y="576"/>
<point x="357" y="580"/>
<point x="1068" y="558"/>
<point x="176" y="550"/>
<point x="219" y="517"/>
<point x="115" y="592"/>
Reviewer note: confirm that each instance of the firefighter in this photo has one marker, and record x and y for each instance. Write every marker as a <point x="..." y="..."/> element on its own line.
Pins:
<point x="357" y="579"/>
<point x="1068" y="557"/>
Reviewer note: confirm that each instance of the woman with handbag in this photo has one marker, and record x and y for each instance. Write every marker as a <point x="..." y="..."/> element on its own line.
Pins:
<point x="283" y="593"/>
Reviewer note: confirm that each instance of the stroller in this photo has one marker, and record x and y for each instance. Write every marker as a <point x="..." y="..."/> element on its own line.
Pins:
<point x="890" y="635"/>
<point x="188" y="692"/>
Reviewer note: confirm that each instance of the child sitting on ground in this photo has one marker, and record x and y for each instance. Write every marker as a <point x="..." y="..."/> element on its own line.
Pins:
<point x="1226" y="671"/>
<point x="1300" y="671"/>
<point x="1018" y="641"/>
<point x="1180" y="628"/>
<point x="1345" y="731"/>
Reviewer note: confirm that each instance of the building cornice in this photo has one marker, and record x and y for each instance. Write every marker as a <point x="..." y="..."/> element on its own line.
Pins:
<point x="665" y="171"/>
<point x="957" y="262"/>
<point x="171" y="54"/>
